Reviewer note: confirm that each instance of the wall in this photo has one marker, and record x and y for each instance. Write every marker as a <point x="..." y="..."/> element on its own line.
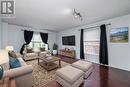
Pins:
<point x="119" y="55"/>
<point x="12" y="35"/>
<point x="4" y="35"/>
<point x="77" y="38"/>
<point x="0" y="33"/>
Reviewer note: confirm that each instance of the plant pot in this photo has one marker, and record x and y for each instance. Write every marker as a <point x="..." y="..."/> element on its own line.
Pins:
<point x="54" y="52"/>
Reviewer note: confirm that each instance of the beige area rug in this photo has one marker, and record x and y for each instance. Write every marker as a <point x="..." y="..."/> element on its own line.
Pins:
<point x="42" y="76"/>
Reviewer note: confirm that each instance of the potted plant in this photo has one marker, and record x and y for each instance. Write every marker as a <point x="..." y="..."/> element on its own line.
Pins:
<point x="55" y="49"/>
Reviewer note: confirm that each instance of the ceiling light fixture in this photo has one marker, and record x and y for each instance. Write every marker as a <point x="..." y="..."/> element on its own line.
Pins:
<point x="77" y="15"/>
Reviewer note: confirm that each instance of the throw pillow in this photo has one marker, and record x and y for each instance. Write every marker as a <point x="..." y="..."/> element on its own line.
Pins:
<point x="29" y="50"/>
<point x="12" y="54"/>
<point x="14" y="63"/>
<point x="42" y="49"/>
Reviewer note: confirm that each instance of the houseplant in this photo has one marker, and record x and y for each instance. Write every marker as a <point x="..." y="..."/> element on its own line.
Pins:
<point x="55" y="49"/>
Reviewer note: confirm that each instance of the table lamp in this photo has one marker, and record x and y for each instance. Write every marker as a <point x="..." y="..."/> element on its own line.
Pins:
<point x="4" y="58"/>
<point x="9" y="48"/>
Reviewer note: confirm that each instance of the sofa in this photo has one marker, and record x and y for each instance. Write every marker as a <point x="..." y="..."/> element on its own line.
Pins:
<point x="29" y="54"/>
<point x="22" y="75"/>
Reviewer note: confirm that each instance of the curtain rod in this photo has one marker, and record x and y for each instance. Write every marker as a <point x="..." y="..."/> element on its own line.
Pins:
<point x="95" y="26"/>
<point x="32" y="30"/>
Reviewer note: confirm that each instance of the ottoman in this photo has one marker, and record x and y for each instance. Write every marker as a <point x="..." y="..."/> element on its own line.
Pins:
<point x="85" y="66"/>
<point x="69" y="76"/>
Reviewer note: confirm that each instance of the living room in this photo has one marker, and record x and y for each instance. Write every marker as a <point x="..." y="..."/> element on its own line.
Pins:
<point x="69" y="34"/>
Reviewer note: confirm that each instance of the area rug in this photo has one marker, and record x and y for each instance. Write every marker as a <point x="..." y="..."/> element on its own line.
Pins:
<point x="41" y="76"/>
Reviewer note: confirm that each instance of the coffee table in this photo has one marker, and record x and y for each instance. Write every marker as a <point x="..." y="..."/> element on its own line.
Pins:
<point x="49" y="62"/>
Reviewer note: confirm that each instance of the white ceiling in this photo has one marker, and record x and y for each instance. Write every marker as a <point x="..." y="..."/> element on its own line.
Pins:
<point x="50" y="14"/>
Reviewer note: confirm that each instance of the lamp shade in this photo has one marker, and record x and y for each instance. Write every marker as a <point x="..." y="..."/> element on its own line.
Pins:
<point x="4" y="58"/>
<point x="9" y="48"/>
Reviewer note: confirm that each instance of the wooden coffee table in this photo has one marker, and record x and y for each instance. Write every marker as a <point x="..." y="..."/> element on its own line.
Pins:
<point x="49" y="62"/>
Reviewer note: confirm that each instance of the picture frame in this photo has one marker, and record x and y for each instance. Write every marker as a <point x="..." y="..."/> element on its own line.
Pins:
<point x="119" y="35"/>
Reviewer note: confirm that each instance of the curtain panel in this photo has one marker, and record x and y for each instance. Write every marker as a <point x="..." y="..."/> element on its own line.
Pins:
<point x="27" y="37"/>
<point x="103" y="53"/>
<point x="82" y="44"/>
<point x="44" y="37"/>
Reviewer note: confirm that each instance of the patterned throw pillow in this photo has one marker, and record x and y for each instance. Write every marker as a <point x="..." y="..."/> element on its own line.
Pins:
<point x="12" y="54"/>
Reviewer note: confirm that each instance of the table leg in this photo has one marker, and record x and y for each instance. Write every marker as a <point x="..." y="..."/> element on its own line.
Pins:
<point x="60" y="63"/>
<point x="48" y="66"/>
<point x="38" y="61"/>
<point x="38" y="57"/>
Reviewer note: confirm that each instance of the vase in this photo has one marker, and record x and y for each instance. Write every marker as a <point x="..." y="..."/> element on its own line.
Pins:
<point x="54" y="52"/>
<point x="1" y="72"/>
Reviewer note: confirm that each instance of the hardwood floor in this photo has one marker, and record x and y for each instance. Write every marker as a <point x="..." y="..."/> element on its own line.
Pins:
<point x="102" y="76"/>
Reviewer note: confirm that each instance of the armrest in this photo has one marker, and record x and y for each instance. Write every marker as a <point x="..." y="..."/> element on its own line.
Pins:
<point x="18" y="71"/>
<point x="18" y="55"/>
<point x="24" y="52"/>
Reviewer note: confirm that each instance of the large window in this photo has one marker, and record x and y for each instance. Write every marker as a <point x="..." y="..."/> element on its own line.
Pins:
<point x="36" y="42"/>
<point x="91" y="41"/>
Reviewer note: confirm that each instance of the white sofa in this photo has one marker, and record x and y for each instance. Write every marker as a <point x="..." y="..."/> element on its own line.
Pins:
<point x="22" y="75"/>
<point x="32" y="55"/>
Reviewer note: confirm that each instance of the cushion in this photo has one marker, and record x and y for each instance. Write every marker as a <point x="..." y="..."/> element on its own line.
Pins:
<point x="22" y="62"/>
<point x="43" y="54"/>
<point x="12" y="54"/>
<point x="83" y="65"/>
<point x="69" y="74"/>
<point x="14" y="63"/>
<point x="29" y="50"/>
<point x="42" y="49"/>
<point x="31" y="55"/>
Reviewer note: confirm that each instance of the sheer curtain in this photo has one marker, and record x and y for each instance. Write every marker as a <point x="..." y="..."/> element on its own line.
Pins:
<point x="91" y="44"/>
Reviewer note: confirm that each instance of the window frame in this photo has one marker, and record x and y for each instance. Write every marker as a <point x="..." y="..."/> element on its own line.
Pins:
<point x="33" y="42"/>
<point x="93" y="42"/>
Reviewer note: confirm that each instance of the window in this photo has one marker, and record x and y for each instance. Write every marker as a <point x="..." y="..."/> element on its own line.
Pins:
<point x="37" y="42"/>
<point x="91" y="41"/>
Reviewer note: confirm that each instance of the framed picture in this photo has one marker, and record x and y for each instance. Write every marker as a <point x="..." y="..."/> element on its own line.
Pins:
<point x="119" y="35"/>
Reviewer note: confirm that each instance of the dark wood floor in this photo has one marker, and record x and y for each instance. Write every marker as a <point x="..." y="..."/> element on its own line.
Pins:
<point x="102" y="76"/>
